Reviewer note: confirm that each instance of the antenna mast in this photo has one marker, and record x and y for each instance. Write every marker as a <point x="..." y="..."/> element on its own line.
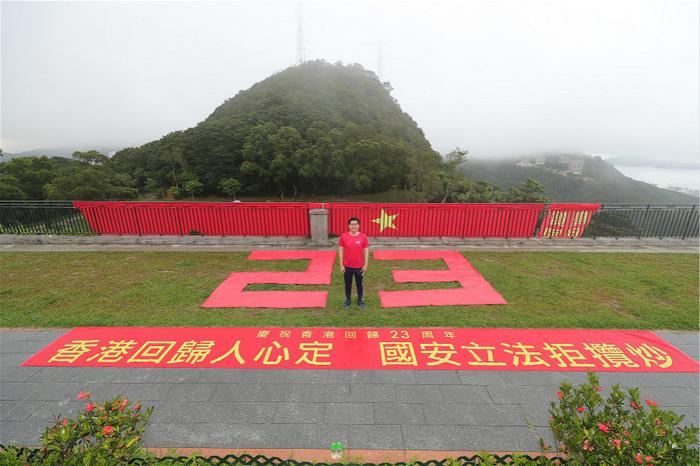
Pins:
<point x="300" y="36"/>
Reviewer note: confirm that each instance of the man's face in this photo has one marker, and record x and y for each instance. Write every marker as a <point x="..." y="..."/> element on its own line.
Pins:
<point x="354" y="226"/>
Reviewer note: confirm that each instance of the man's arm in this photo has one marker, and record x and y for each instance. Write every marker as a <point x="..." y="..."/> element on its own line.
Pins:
<point x="340" y="254"/>
<point x="366" y="251"/>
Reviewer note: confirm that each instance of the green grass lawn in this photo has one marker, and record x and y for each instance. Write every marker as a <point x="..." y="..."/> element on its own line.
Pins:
<point x="558" y="289"/>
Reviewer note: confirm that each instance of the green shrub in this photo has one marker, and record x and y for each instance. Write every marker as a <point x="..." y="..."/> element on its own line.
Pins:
<point x="107" y="433"/>
<point x="621" y="430"/>
<point x="13" y="456"/>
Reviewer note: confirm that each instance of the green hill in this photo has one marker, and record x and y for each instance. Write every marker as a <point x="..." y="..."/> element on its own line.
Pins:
<point x="595" y="181"/>
<point x="313" y="128"/>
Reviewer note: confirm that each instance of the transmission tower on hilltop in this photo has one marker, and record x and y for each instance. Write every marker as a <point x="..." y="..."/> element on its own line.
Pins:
<point x="300" y="36"/>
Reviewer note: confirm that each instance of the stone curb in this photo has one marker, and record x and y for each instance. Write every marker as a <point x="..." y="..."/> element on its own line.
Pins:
<point x="20" y="242"/>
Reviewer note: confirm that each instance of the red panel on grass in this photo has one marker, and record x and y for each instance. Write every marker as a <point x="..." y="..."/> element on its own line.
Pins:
<point x="455" y="220"/>
<point x="475" y="289"/>
<point x="567" y="220"/>
<point x="230" y="293"/>
<point x="367" y="348"/>
<point x="198" y="218"/>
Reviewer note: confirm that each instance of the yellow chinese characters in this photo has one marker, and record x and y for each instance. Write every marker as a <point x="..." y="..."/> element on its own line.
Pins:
<point x="439" y="353"/>
<point x="479" y="352"/>
<point x="272" y="355"/>
<point x="315" y="353"/>
<point x="397" y="353"/>
<point x="235" y="351"/>
<point x="72" y="351"/>
<point x="192" y="352"/>
<point x="609" y="355"/>
<point x="566" y="355"/>
<point x="152" y="351"/>
<point x="651" y="355"/>
<point x="114" y="352"/>
<point x="396" y="347"/>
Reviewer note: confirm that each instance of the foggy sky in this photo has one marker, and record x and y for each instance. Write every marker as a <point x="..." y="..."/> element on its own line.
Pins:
<point x="613" y="78"/>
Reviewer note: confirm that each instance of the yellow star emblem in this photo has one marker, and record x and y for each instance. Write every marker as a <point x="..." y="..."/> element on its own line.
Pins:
<point x="385" y="221"/>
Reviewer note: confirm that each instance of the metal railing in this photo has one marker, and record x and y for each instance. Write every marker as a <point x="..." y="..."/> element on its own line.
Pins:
<point x="34" y="456"/>
<point x="645" y="221"/>
<point x="42" y="218"/>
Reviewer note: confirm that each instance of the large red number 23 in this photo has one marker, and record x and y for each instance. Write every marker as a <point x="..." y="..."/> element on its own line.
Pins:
<point x="474" y="288"/>
<point x="230" y="293"/>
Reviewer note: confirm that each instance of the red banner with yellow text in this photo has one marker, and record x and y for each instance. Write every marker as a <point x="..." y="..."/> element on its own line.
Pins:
<point x="567" y="220"/>
<point x="366" y="348"/>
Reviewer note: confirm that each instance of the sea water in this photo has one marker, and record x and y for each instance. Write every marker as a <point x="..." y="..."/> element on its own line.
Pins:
<point x="663" y="177"/>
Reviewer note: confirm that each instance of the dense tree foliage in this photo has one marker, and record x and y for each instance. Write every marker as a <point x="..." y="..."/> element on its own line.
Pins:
<point x="312" y="129"/>
<point x="88" y="176"/>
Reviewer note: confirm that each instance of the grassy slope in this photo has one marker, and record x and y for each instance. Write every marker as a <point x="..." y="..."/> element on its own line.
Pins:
<point x="592" y="290"/>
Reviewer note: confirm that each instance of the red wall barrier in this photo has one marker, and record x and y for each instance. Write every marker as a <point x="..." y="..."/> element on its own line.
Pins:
<point x="458" y="220"/>
<point x="292" y="219"/>
<point x="204" y="218"/>
<point x="567" y="220"/>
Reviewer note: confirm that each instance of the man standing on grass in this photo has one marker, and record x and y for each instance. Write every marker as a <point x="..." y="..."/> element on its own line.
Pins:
<point x="354" y="258"/>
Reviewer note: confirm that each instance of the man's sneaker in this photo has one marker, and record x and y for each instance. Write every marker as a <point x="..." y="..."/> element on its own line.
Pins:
<point x="346" y="304"/>
<point x="361" y="304"/>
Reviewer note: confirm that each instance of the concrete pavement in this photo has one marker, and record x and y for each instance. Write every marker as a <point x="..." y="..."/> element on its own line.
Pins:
<point x="369" y="410"/>
<point x="20" y="243"/>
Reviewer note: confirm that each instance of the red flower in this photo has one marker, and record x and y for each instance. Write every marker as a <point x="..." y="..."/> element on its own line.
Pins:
<point x="635" y="405"/>
<point x="648" y="458"/>
<point x="123" y="404"/>
<point x="560" y="395"/>
<point x="580" y="409"/>
<point x="65" y="422"/>
<point x="603" y="428"/>
<point x="599" y="388"/>
<point x="657" y="422"/>
<point x="638" y="458"/>
<point x="626" y="433"/>
<point x="137" y="406"/>
<point x="587" y="447"/>
<point x="89" y="407"/>
<point x="106" y="430"/>
<point x="617" y="442"/>
<point x="82" y="395"/>
<point x="650" y="403"/>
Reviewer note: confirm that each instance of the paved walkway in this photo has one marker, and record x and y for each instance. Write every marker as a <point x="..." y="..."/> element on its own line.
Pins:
<point x="17" y="243"/>
<point x="369" y="410"/>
